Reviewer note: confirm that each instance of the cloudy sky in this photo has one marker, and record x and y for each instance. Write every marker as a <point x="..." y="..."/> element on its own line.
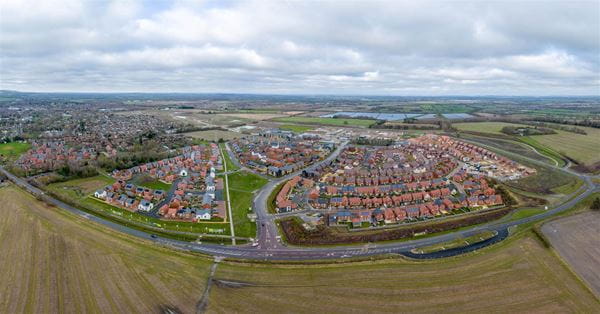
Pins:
<point x="302" y="47"/>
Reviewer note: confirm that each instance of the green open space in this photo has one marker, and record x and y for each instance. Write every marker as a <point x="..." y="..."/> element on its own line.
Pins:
<point x="568" y="188"/>
<point x="456" y="243"/>
<point x="245" y="181"/>
<point x="544" y="150"/>
<point x="484" y="127"/>
<point x="242" y="186"/>
<point x="227" y="159"/>
<point x="525" y="212"/>
<point x="80" y="188"/>
<point x="544" y="181"/>
<point x="327" y="121"/>
<point x="584" y="148"/>
<point x="150" y="182"/>
<point x="12" y="151"/>
<point x="296" y="128"/>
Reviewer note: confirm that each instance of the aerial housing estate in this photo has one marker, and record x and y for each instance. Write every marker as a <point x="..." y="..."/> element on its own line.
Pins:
<point x="196" y="193"/>
<point x="277" y="153"/>
<point x="418" y="178"/>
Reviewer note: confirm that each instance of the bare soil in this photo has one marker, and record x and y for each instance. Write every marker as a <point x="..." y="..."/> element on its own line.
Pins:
<point x="577" y="240"/>
<point x="54" y="262"/>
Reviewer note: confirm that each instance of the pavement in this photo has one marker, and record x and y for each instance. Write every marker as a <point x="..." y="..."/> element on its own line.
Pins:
<point x="269" y="245"/>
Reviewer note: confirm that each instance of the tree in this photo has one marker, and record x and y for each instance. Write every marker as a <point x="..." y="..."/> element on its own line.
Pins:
<point x="596" y="204"/>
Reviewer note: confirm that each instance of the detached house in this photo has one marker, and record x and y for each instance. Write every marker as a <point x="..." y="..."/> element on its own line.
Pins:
<point x="100" y="194"/>
<point x="203" y="214"/>
<point x="145" y="206"/>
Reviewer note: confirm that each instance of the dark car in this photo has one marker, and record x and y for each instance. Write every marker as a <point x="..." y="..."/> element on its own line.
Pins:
<point x="153" y="236"/>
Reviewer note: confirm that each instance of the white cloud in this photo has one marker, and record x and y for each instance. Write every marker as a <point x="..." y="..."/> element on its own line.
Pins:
<point x="301" y="47"/>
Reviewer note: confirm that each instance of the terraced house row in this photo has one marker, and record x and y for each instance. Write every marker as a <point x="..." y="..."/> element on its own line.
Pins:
<point x="420" y="178"/>
<point x="277" y="153"/>
<point x="283" y="201"/>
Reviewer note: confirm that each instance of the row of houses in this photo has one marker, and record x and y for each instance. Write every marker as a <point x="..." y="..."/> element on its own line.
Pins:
<point x="427" y="185"/>
<point x="129" y="196"/>
<point x="277" y="153"/>
<point x="403" y="213"/>
<point x="195" y="161"/>
<point x="478" y="160"/>
<point x="282" y="201"/>
<point x="409" y="180"/>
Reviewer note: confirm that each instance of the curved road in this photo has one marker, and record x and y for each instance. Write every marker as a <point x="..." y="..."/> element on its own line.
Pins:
<point x="269" y="247"/>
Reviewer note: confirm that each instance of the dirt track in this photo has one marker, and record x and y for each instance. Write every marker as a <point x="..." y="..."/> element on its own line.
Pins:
<point x="577" y="239"/>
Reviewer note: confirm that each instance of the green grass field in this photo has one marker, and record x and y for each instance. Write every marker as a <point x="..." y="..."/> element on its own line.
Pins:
<point x="242" y="186"/>
<point x="544" y="150"/>
<point x="327" y="121"/>
<point x="446" y="108"/>
<point x="484" y="127"/>
<point x="12" y="151"/>
<point x="151" y="183"/>
<point x="296" y="128"/>
<point x="525" y="212"/>
<point x="226" y="159"/>
<point x="568" y="188"/>
<point x="583" y="148"/>
<point x="80" y="188"/>
<point x="460" y="242"/>
<point x="245" y="181"/>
